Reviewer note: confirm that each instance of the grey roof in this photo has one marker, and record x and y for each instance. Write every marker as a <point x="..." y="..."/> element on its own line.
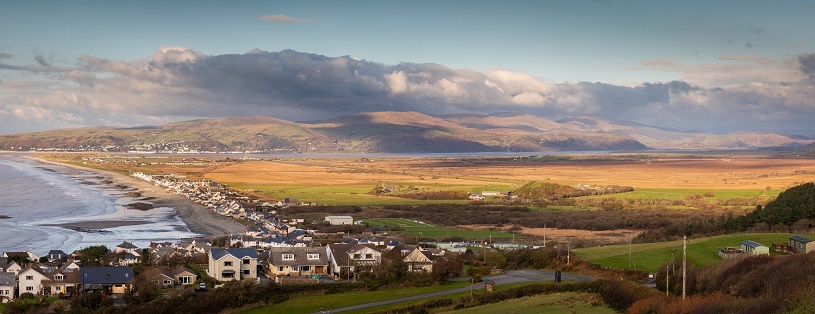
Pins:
<point x="105" y="276"/>
<point x="127" y="245"/>
<point x="240" y="253"/>
<point x="800" y="239"/>
<point x="751" y="243"/>
<point x="300" y="256"/>
<point x="7" y="279"/>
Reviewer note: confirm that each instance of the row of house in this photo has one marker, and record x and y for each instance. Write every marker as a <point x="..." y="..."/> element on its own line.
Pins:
<point x="55" y="279"/>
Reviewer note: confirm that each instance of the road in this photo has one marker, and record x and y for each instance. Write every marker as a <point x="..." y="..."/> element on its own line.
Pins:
<point x="509" y="277"/>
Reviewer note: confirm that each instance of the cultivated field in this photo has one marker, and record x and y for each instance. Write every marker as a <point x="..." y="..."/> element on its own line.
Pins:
<point x="651" y="256"/>
<point x="417" y="229"/>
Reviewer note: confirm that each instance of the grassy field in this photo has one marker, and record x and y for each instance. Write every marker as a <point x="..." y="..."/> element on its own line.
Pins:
<point x="424" y="230"/>
<point x="651" y="256"/>
<point x="679" y="194"/>
<point x="316" y="302"/>
<point x="572" y="302"/>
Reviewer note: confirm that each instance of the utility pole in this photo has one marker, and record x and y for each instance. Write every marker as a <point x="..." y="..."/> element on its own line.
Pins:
<point x="568" y="252"/>
<point x="544" y="235"/>
<point x="667" y="278"/>
<point x="684" y="264"/>
<point x="630" y="240"/>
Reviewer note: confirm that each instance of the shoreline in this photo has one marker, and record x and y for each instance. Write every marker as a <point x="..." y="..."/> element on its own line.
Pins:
<point x="198" y="218"/>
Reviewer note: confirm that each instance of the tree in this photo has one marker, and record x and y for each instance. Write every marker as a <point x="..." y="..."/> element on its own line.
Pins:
<point x="496" y="259"/>
<point x="390" y="269"/>
<point x="93" y="255"/>
<point x="446" y="268"/>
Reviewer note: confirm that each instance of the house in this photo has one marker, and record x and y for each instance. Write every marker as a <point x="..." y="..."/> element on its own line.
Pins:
<point x="183" y="276"/>
<point x="298" y="261"/>
<point x="754" y="248"/>
<point x="108" y="280"/>
<point x="30" y="280"/>
<point x="127" y="247"/>
<point x="8" y="286"/>
<point x="339" y="220"/>
<point x="801" y="244"/>
<point x="420" y="260"/>
<point x="170" y="277"/>
<point x="60" y="280"/>
<point x="353" y="258"/>
<point x="9" y="266"/>
<point x="159" y="276"/>
<point x="233" y="264"/>
<point x="24" y="254"/>
<point x="57" y="256"/>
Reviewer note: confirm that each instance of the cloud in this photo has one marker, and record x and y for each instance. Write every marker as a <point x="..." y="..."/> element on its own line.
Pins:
<point x="178" y="83"/>
<point x="4" y="55"/>
<point x="280" y="18"/>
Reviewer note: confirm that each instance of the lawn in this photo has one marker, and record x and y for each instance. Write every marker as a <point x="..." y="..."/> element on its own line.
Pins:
<point x="316" y="302"/>
<point x="679" y="194"/>
<point x="651" y="256"/>
<point x="437" y="232"/>
<point x="571" y="302"/>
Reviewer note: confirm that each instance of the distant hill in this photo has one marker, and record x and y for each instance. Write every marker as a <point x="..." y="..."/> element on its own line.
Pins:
<point x="391" y="132"/>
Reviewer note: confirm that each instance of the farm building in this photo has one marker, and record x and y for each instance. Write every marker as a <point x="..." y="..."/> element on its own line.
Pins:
<point x="801" y="244"/>
<point x="340" y="220"/>
<point x="754" y="248"/>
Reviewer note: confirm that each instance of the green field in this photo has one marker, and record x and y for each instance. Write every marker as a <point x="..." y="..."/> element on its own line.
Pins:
<point x="679" y="194"/>
<point x="333" y="195"/>
<point x="425" y="230"/>
<point x="651" y="256"/>
<point x="572" y="302"/>
<point x="316" y="302"/>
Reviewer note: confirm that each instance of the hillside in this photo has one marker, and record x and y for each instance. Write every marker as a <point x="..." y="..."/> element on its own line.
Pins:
<point x="390" y="132"/>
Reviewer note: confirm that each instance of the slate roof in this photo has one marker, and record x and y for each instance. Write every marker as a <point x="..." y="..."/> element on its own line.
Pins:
<point x="240" y="253"/>
<point x="127" y="245"/>
<point x="340" y="251"/>
<point x="800" y="239"/>
<point x="97" y="277"/>
<point x="7" y="279"/>
<point x="300" y="256"/>
<point x="751" y="243"/>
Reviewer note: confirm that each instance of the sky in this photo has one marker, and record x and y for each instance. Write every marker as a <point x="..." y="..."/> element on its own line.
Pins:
<point x="714" y="66"/>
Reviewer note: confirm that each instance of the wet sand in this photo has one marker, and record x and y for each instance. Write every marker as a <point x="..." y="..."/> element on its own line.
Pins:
<point x="198" y="218"/>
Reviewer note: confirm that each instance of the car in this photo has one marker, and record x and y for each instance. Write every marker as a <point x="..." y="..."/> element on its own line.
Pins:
<point x="202" y="285"/>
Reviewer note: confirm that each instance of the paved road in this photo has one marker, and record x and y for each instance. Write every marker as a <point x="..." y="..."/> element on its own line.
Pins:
<point x="510" y="276"/>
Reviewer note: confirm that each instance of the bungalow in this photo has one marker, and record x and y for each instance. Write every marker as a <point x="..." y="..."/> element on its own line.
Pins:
<point x="159" y="276"/>
<point x="298" y="261"/>
<point x="801" y="244"/>
<point x="339" y="220"/>
<point x="108" y="280"/>
<point x="754" y="248"/>
<point x="8" y="286"/>
<point x="183" y="276"/>
<point x="224" y="264"/>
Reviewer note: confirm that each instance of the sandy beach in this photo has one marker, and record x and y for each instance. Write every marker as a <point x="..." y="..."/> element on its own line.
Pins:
<point x="198" y="218"/>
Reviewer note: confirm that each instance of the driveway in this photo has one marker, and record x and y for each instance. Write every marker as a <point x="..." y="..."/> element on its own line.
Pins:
<point x="509" y="277"/>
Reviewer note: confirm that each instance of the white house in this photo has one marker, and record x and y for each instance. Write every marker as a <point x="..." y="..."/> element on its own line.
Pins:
<point x="233" y="264"/>
<point x="9" y="266"/>
<point x="340" y="220"/>
<point x="8" y="285"/>
<point x="30" y="281"/>
<point x="354" y="258"/>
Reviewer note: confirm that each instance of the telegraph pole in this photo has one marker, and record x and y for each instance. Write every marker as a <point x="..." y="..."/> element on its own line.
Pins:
<point x="630" y="240"/>
<point x="684" y="264"/>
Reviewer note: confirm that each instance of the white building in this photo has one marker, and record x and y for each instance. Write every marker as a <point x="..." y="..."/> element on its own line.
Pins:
<point x="340" y="220"/>
<point x="233" y="264"/>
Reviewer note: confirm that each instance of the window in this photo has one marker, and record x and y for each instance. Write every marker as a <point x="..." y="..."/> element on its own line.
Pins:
<point x="184" y="280"/>
<point x="369" y="256"/>
<point x="280" y="268"/>
<point x="57" y="277"/>
<point x="29" y="288"/>
<point x="29" y="277"/>
<point x="357" y="256"/>
<point x="246" y="272"/>
<point x="313" y="256"/>
<point x="288" y="257"/>
<point x="58" y="288"/>
<point x="246" y="261"/>
<point x="228" y="263"/>
<point x="305" y="268"/>
<point x="295" y="268"/>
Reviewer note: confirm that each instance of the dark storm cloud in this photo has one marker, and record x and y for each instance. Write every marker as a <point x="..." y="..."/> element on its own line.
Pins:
<point x="177" y="83"/>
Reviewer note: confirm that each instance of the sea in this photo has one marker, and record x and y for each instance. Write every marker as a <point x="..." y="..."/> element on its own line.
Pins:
<point x="35" y="196"/>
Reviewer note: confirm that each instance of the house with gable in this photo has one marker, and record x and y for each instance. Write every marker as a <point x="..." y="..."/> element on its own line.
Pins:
<point x="30" y="280"/>
<point x="60" y="280"/>
<point x="57" y="256"/>
<point x="9" y="266"/>
<point x="8" y="286"/>
<point x="420" y="260"/>
<point x="353" y="258"/>
<point x="233" y="264"/>
<point x="298" y="261"/>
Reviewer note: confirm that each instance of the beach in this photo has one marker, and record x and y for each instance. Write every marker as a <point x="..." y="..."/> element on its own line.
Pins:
<point x="198" y="218"/>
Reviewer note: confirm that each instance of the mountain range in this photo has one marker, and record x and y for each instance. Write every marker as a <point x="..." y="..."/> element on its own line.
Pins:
<point x="393" y="132"/>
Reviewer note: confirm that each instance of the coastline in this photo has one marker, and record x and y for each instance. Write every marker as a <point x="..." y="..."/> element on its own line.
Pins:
<point x="198" y="218"/>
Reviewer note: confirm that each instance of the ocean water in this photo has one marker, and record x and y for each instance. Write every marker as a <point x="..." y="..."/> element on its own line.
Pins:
<point x="36" y="195"/>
